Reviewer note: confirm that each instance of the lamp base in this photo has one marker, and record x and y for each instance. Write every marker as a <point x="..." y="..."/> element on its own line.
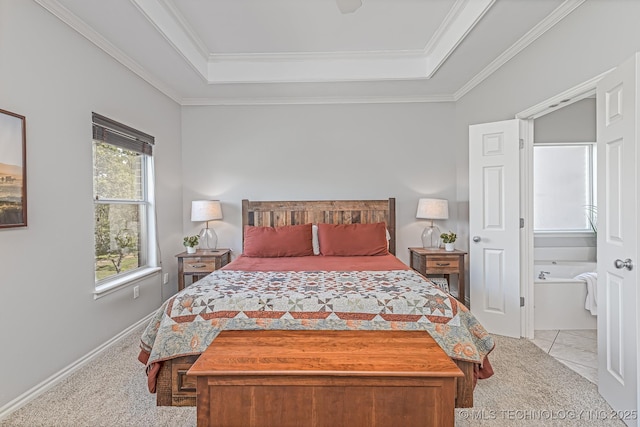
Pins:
<point x="210" y="239"/>
<point x="431" y="237"/>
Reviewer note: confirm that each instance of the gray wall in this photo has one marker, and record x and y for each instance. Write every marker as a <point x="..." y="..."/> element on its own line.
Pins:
<point x="312" y="152"/>
<point x="573" y="123"/>
<point x="56" y="78"/>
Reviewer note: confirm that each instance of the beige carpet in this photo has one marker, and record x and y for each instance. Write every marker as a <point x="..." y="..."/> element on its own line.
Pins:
<point x="529" y="388"/>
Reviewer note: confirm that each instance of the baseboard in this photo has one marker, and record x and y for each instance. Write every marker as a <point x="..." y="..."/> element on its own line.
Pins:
<point x="54" y="379"/>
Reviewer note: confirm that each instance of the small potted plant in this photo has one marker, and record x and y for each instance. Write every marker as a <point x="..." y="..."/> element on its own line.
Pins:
<point x="448" y="239"/>
<point x="190" y="243"/>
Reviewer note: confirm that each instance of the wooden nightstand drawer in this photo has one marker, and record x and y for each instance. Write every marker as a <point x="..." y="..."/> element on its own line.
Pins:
<point x="443" y="264"/>
<point x="195" y="265"/>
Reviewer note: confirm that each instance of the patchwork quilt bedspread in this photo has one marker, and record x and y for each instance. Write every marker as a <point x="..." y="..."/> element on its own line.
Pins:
<point x="326" y="300"/>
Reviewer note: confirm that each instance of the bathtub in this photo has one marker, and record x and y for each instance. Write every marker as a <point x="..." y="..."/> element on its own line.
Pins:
<point x="559" y="299"/>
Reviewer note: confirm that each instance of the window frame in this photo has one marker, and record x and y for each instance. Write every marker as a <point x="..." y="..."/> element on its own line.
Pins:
<point x="592" y="190"/>
<point x="116" y="134"/>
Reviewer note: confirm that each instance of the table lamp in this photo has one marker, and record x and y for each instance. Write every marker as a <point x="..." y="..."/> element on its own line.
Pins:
<point x="207" y="210"/>
<point x="431" y="209"/>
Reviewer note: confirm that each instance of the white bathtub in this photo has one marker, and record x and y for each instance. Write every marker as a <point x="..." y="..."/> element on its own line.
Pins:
<point x="559" y="299"/>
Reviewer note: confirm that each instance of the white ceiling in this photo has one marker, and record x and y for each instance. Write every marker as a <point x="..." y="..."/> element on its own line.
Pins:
<point x="217" y="52"/>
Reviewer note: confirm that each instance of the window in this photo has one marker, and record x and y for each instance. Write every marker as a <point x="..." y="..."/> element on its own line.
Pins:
<point x="124" y="226"/>
<point x="564" y="187"/>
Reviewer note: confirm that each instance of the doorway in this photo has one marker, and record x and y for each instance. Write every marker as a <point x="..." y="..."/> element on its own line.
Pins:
<point x="564" y="203"/>
<point x="584" y="91"/>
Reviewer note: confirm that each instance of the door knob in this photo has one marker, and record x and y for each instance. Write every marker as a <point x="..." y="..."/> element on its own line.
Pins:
<point x="623" y="264"/>
<point x="476" y="239"/>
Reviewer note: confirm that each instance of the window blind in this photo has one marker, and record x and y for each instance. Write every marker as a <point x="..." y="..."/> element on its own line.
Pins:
<point x="123" y="136"/>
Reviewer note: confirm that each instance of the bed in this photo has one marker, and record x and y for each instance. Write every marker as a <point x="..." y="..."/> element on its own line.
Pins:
<point x="327" y="265"/>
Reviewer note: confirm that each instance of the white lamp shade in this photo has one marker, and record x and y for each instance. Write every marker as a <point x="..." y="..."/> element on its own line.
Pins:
<point x="433" y="209"/>
<point x="206" y="210"/>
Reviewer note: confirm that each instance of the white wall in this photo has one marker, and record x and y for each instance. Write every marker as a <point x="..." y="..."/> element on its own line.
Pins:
<point x="594" y="38"/>
<point x="294" y="152"/>
<point x="574" y="123"/>
<point x="56" y="78"/>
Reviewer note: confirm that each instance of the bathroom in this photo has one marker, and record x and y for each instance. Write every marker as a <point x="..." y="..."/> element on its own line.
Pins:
<point x="565" y="227"/>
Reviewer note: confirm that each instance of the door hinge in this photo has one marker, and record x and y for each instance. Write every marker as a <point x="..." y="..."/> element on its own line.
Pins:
<point x="521" y="301"/>
<point x="521" y="222"/>
<point x="521" y="143"/>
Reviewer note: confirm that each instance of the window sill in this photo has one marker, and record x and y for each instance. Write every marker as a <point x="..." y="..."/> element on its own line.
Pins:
<point x="124" y="281"/>
<point x="544" y="234"/>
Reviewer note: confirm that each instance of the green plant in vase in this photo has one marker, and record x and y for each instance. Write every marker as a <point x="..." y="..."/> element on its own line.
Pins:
<point x="190" y="242"/>
<point x="448" y="239"/>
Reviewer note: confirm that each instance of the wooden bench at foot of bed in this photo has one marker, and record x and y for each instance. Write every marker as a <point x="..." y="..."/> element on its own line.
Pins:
<point x="325" y="378"/>
<point x="175" y="388"/>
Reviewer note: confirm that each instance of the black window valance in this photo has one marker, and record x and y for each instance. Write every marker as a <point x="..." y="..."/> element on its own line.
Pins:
<point x="123" y="136"/>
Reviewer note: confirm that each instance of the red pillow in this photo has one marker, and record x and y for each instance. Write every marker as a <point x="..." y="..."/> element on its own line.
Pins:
<point x="269" y="242"/>
<point x="353" y="239"/>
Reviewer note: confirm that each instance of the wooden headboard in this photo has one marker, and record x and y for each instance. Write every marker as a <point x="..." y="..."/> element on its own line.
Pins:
<point x="275" y="214"/>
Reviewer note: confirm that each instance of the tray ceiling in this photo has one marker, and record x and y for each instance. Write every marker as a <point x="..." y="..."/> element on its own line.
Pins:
<point x="299" y="51"/>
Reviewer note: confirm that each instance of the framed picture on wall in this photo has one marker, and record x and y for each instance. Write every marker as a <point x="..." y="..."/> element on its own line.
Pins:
<point x="13" y="170"/>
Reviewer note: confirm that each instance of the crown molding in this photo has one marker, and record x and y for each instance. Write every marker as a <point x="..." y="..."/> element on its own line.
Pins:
<point x="310" y="56"/>
<point x="166" y="19"/>
<point x="532" y="35"/>
<point x="298" y="67"/>
<point x="184" y="23"/>
<point x="463" y="16"/>
<point x="167" y="9"/>
<point x="446" y="23"/>
<point x="324" y="67"/>
<point x="315" y="100"/>
<point x="66" y="16"/>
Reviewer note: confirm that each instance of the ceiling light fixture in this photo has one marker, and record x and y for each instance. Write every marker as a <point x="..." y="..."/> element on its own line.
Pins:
<point x="348" y="6"/>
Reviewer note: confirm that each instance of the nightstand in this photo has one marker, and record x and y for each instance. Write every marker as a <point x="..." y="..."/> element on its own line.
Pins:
<point x="200" y="264"/>
<point x="438" y="261"/>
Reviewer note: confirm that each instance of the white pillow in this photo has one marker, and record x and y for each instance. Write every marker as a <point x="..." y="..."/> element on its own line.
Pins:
<point x="314" y="240"/>
<point x="316" y="244"/>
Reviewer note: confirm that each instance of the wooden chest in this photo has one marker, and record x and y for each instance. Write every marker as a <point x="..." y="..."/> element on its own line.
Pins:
<point x="325" y="378"/>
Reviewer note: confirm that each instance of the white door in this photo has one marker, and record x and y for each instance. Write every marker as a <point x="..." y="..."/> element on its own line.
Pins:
<point x="617" y="121"/>
<point x="494" y="225"/>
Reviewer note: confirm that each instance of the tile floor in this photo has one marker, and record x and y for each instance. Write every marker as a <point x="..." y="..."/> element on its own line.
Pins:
<point x="576" y="348"/>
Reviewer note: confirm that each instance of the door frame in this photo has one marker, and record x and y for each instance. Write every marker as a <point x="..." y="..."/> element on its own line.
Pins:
<point x="563" y="99"/>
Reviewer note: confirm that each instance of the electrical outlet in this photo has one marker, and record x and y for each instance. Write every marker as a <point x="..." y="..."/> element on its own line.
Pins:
<point x="165" y="278"/>
<point x="136" y="292"/>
